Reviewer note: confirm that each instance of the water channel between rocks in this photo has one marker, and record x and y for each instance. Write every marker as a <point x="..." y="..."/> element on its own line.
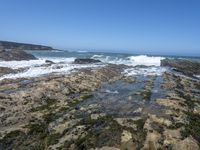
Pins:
<point x="122" y="99"/>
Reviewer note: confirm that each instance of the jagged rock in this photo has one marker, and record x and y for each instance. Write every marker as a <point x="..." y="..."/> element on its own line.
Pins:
<point x="49" y="62"/>
<point x="86" y="61"/>
<point x="187" y="67"/>
<point x="15" y="55"/>
<point x="187" y="144"/>
<point x="171" y="136"/>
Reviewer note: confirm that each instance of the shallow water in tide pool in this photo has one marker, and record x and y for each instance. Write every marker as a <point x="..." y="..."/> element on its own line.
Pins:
<point x="121" y="98"/>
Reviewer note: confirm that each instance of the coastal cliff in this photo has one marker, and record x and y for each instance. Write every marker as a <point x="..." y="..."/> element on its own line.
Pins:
<point x="22" y="46"/>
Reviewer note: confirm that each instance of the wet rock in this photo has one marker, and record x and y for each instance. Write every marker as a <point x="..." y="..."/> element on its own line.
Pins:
<point x="86" y="61"/>
<point x="187" y="144"/>
<point x="49" y="62"/>
<point x="61" y="102"/>
<point x="15" y="55"/>
<point x="187" y="67"/>
<point x="172" y="103"/>
<point x="5" y="70"/>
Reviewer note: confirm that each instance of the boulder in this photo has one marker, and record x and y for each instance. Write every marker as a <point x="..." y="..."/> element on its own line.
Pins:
<point x="187" y="67"/>
<point x="86" y="61"/>
<point x="15" y="55"/>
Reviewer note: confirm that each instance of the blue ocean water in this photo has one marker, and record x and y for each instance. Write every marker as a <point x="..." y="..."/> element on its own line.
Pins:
<point x="87" y="54"/>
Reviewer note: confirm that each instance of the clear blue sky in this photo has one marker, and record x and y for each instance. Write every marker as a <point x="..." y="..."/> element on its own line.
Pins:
<point x="141" y="26"/>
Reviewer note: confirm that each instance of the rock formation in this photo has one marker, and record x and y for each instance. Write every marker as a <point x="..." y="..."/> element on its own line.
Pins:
<point x="9" y="55"/>
<point x="86" y="61"/>
<point x="187" y="67"/>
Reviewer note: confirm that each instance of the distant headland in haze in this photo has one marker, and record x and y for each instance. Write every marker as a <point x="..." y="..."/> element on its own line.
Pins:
<point x="23" y="46"/>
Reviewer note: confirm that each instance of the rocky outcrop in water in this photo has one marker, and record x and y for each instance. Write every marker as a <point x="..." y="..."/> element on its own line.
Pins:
<point x="188" y="67"/>
<point x="86" y="61"/>
<point x="15" y="55"/>
<point x="22" y="46"/>
<point x="49" y="62"/>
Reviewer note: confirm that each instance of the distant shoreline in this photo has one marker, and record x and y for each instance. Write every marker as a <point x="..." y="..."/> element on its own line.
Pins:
<point x="23" y="46"/>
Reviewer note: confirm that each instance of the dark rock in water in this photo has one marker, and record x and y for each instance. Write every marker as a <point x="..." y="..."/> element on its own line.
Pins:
<point x="15" y="55"/>
<point x="49" y="62"/>
<point x="86" y="61"/>
<point x="141" y="66"/>
<point x="187" y="67"/>
<point x="5" y="70"/>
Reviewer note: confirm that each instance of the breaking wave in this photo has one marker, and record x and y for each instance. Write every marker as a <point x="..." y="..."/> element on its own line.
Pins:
<point x="146" y="60"/>
<point x="131" y="60"/>
<point x="34" y="68"/>
<point x="62" y="64"/>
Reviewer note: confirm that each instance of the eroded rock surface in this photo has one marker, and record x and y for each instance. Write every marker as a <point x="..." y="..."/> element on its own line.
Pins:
<point x="187" y="67"/>
<point x="100" y="109"/>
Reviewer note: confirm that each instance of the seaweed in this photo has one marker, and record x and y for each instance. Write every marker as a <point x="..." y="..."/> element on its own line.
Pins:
<point x="193" y="126"/>
<point x="146" y="94"/>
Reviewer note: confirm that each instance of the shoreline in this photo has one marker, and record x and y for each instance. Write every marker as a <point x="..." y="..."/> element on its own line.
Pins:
<point x="70" y="114"/>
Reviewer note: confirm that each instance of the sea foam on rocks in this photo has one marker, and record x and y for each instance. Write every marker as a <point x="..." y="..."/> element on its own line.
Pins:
<point x="34" y="68"/>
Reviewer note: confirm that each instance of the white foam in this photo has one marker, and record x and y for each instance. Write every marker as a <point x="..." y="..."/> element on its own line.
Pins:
<point x="32" y="63"/>
<point x="198" y="76"/>
<point x="146" y="60"/>
<point x="109" y="59"/>
<point x="34" y="68"/>
<point x="43" y="70"/>
<point x="21" y="64"/>
<point x="97" y="56"/>
<point x="144" y="71"/>
<point x="112" y="92"/>
<point x="131" y="61"/>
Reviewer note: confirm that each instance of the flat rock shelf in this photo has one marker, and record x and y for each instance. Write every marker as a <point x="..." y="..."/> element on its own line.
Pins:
<point x="100" y="109"/>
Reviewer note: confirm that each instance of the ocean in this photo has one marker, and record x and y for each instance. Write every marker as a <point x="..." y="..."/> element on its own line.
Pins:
<point x="63" y="63"/>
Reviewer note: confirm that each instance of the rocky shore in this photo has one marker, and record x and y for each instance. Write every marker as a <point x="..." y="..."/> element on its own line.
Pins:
<point x="16" y="54"/>
<point x="187" y="67"/>
<point x="100" y="109"/>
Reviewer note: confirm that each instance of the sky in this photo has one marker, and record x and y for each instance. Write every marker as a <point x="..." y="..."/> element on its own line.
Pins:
<point x="169" y="27"/>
